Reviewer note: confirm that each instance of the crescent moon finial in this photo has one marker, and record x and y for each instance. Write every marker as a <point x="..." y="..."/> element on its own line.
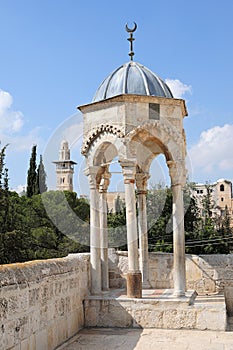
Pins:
<point x="129" y="30"/>
<point x="131" y="39"/>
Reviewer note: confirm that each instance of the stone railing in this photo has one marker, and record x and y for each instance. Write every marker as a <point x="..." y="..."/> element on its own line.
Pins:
<point x="204" y="273"/>
<point x="41" y="302"/>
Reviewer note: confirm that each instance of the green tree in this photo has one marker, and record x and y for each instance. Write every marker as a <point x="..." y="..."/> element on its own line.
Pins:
<point x="2" y="166"/>
<point x="159" y="216"/>
<point x="40" y="186"/>
<point x="32" y="174"/>
<point x="192" y="219"/>
<point x="117" y="232"/>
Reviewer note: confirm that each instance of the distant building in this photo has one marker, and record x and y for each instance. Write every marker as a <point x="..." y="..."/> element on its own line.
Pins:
<point x="113" y="199"/>
<point x="64" y="168"/>
<point x="221" y="196"/>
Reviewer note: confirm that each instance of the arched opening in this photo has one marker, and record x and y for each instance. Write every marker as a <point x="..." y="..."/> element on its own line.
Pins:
<point x="159" y="173"/>
<point x="144" y="152"/>
<point x="159" y="207"/>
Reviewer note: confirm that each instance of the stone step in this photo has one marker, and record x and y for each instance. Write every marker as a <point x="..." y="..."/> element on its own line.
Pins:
<point x="163" y="311"/>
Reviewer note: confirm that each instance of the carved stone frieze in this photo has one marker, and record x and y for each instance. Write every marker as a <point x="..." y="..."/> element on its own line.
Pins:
<point x="94" y="134"/>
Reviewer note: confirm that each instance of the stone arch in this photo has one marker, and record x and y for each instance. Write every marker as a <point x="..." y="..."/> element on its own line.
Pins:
<point x="165" y="135"/>
<point x="97" y="133"/>
<point x="104" y="148"/>
<point x="146" y="142"/>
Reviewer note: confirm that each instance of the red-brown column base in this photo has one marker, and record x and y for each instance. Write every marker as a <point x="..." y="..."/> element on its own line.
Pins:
<point x="134" y="285"/>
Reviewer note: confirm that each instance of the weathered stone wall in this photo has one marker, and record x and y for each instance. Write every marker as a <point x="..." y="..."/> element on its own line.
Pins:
<point x="41" y="302"/>
<point x="205" y="273"/>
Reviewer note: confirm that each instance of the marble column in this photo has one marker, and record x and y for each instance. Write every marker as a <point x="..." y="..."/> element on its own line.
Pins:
<point x="95" y="255"/>
<point x="134" y="277"/>
<point x="141" y="183"/>
<point x="103" y="229"/>
<point x="177" y="182"/>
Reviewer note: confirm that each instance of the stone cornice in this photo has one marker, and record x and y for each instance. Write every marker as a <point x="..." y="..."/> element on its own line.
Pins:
<point x="133" y="99"/>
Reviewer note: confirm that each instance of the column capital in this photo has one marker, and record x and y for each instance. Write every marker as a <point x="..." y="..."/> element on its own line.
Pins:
<point x="128" y="170"/>
<point x="104" y="182"/>
<point x="177" y="172"/>
<point x="141" y="182"/>
<point x="91" y="172"/>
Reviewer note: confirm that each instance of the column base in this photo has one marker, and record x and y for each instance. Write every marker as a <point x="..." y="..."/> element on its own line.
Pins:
<point x="179" y="293"/>
<point x="134" y="284"/>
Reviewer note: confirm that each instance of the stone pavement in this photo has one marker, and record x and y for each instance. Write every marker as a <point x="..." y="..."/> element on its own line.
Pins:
<point x="147" y="339"/>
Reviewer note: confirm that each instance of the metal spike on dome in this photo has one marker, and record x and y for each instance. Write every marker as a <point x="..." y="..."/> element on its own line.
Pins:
<point x="131" y="39"/>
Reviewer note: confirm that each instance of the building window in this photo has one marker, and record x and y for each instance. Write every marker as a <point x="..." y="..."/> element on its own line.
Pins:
<point x="154" y="111"/>
<point x="222" y="188"/>
<point x="222" y="199"/>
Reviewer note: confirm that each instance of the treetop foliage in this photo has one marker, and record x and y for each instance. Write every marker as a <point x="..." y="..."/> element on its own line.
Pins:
<point x="36" y="177"/>
<point x="52" y="224"/>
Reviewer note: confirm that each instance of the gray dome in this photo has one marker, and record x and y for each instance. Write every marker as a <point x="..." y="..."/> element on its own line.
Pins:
<point x="132" y="78"/>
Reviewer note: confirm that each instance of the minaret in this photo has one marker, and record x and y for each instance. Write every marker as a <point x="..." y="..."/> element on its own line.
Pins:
<point x="64" y="168"/>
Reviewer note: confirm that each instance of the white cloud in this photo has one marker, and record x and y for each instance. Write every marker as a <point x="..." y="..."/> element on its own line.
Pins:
<point x="19" y="189"/>
<point x="178" y="88"/>
<point x="10" y="121"/>
<point x="11" y="127"/>
<point x="213" y="154"/>
<point x="21" y="142"/>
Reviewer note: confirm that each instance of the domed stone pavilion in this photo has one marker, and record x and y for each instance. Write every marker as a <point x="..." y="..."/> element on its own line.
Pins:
<point x="134" y="117"/>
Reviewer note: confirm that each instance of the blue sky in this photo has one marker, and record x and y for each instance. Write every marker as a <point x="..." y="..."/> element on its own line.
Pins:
<point x="55" y="54"/>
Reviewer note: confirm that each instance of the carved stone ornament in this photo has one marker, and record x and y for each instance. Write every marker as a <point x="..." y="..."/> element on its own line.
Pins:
<point x="94" y="134"/>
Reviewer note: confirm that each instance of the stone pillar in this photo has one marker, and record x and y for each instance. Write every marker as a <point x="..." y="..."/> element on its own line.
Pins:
<point x="134" y="277"/>
<point x="104" y="230"/>
<point x="141" y="182"/>
<point x="177" y="182"/>
<point x="95" y="258"/>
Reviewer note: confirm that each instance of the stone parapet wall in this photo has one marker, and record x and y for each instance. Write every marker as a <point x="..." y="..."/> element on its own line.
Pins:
<point x="41" y="302"/>
<point x="156" y="313"/>
<point x="205" y="273"/>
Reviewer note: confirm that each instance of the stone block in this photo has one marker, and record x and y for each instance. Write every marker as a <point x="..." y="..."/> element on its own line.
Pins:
<point x="212" y="318"/>
<point x="179" y="318"/>
<point x="33" y="296"/>
<point x="74" y="322"/>
<point x="9" y="334"/>
<point x="62" y="329"/>
<point x="52" y="336"/>
<point x="148" y="318"/>
<point x="3" y="307"/>
<point x="28" y="344"/>
<point x="41" y="340"/>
